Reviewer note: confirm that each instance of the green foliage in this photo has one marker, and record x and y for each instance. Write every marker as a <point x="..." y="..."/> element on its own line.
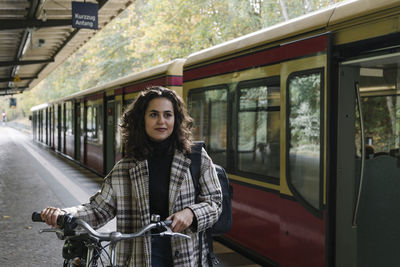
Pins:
<point x="152" y="32"/>
<point x="304" y="112"/>
<point x="381" y="122"/>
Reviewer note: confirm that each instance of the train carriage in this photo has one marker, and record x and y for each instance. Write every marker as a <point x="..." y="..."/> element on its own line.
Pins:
<point x="37" y="121"/>
<point x="240" y="106"/>
<point x="270" y="106"/>
<point x="85" y="126"/>
<point x="305" y="118"/>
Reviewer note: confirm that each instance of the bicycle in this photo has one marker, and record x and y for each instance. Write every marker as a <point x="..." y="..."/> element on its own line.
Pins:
<point x="83" y="245"/>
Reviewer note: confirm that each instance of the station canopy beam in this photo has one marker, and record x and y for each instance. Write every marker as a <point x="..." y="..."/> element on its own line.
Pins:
<point x="12" y="24"/>
<point x="36" y="36"/>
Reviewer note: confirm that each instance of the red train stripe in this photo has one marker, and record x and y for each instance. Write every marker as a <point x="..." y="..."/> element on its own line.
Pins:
<point x="270" y="56"/>
<point x="118" y="91"/>
<point x="174" y="80"/>
<point x="95" y="96"/>
<point x="163" y="81"/>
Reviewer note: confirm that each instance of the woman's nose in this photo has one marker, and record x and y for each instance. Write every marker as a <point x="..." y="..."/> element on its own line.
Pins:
<point x="160" y="120"/>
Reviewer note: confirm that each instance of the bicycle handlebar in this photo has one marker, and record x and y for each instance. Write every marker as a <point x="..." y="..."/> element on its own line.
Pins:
<point x="69" y="223"/>
<point x="36" y="217"/>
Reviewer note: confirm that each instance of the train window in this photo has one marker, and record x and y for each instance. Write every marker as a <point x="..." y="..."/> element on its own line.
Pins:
<point x="381" y="123"/>
<point x="208" y="108"/>
<point x="41" y="125"/>
<point x="56" y="124"/>
<point x="380" y="103"/>
<point x="82" y="120"/>
<point x="304" y="135"/>
<point x="92" y="123"/>
<point x="62" y="119"/>
<point x="118" y="113"/>
<point x="43" y="122"/>
<point x="89" y="122"/>
<point x="99" y="124"/>
<point x="258" y="147"/>
<point x="68" y="119"/>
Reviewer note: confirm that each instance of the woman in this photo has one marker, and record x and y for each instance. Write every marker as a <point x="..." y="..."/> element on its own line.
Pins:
<point x="154" y="178"/>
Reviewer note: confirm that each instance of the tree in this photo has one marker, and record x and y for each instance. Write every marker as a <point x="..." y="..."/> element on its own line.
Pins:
<point x="284" y="10"/>
<point x="151" y="32"/>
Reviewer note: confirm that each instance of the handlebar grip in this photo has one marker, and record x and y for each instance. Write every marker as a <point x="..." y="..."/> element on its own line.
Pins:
<point x="36" y="217"/>
<point x="61" y="220"/>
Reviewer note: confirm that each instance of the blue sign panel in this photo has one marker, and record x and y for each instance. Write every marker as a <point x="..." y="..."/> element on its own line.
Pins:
<point x="84" y="15"/>
<point x="13" y="102"/>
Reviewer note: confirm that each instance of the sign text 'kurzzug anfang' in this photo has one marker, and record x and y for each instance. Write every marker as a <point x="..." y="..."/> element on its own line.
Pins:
<point x="84" y="15"/>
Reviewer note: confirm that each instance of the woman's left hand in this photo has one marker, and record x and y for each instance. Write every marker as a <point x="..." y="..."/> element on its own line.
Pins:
<point x="181" y="220"/>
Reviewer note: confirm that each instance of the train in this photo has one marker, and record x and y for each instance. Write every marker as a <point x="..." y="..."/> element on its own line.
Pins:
<point x="304" y="116"/>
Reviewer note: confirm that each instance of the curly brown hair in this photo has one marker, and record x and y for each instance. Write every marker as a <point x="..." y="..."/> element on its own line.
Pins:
<point x="135" y="140"/>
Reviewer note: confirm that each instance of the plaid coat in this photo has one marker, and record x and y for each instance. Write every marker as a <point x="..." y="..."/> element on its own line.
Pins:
<point x="125" y="194"/>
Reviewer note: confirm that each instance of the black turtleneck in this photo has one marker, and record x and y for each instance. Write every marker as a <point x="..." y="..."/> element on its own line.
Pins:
<point x="159" y="177"/>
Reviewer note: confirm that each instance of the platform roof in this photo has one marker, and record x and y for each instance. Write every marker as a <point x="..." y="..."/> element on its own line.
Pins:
<point x="37" y="35"/>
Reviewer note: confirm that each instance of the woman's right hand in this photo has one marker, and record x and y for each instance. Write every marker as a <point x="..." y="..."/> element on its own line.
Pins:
<point x="50" y="214"/>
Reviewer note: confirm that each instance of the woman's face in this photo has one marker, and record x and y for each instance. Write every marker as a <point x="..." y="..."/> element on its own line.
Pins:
<point x="159" y="119"/>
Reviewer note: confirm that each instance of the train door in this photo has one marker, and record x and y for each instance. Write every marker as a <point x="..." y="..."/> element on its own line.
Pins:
<point x="46" y="125"/>
<point x="59" y="127"/>
<point x="117" y="131"/>
<point x="303" y="212"/>
<point x="63" y="128"/>
<point x="50" y="126"/>
<point x="77" y="133"/>
<point x="83" y="132"/>
<point x="40" y="122"/>
<point x="53" y="134"/>
<point x="110" y="135"/>
<point x="368" y="162"/>
<point x="55" y="137"/>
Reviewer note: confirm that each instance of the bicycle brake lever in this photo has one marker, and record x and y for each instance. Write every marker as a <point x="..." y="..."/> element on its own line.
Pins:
<point x="169" y="232"/>
<point x="59" y="232"/>
<point x="49" y="230"/>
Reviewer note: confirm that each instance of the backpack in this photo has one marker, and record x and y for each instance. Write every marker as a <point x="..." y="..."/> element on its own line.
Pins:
<point x="224" y="223"/>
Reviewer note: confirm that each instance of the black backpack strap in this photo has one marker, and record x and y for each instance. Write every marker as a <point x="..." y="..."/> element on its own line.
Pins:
<point x="195" y="167"/>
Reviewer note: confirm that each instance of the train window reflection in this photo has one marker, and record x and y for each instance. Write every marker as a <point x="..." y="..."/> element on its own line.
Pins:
<point x="99" y="124"/>
<point x="208" y="108"/>
<point x="381" y="116"/>
<point x="69" y="126"/>
<point x="93" y="126"/>
<point x="118" y="115"/>
<point x="43" y="125"/>
<point x="89" y="122"/>
<point x="258" y="147"/>
<point x="304" y="136"/>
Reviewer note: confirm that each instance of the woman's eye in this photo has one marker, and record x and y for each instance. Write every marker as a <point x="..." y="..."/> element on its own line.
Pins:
<point x="153" y="115"/>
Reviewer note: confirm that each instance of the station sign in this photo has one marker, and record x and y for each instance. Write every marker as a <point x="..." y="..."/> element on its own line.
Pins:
<point x="85" y="15"/>
<point x="13" y="102"/>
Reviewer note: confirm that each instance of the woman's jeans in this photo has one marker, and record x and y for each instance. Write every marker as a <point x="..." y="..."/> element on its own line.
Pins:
<point x="161" y="252"/>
